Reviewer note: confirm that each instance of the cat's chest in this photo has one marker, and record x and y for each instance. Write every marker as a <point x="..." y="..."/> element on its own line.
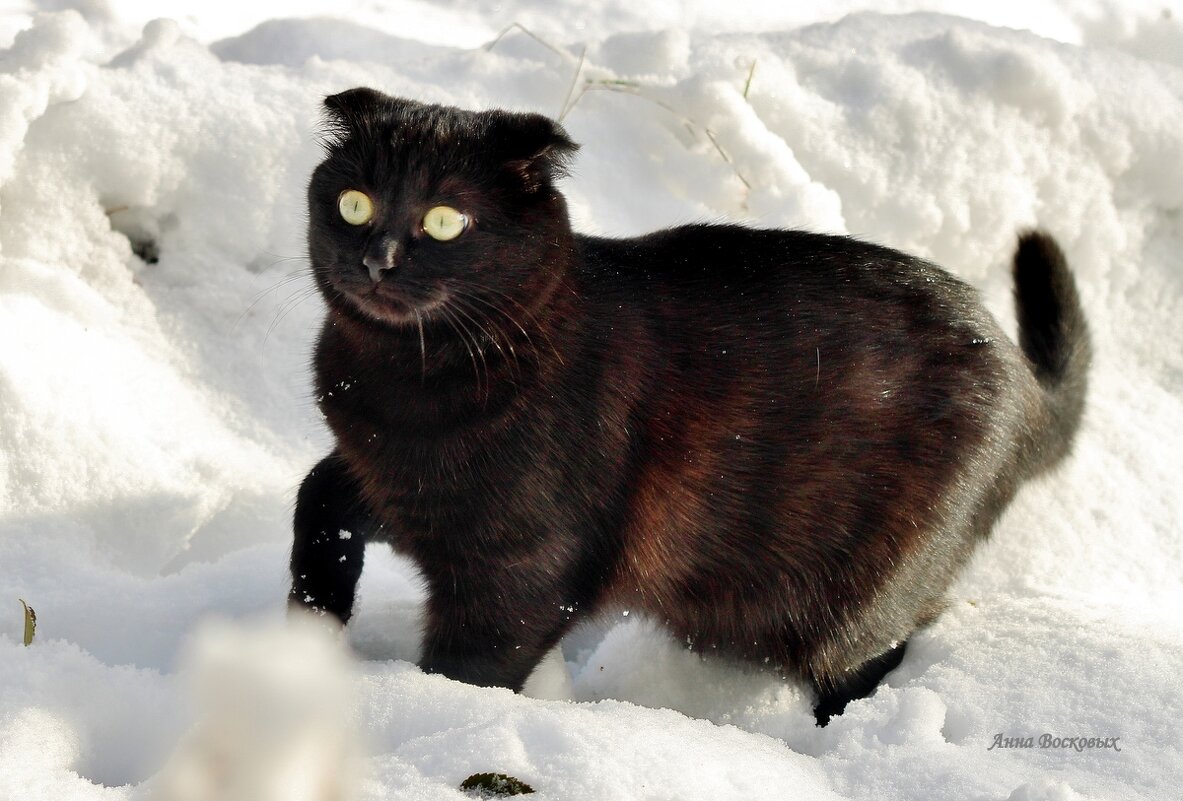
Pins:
<point x="419" y="480"/>
<point x="420" y="452"/>
<point x="393" y="432"/>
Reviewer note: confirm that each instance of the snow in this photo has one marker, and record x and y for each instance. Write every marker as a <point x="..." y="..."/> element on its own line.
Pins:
<point x="156" y="418"/>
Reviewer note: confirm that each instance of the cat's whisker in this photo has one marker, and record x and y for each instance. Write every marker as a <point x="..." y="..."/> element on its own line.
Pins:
<point x="479" y="346"/>
<point x="511" y="357"/>
<point x="529" y="315"/>
<point x="465" y="337"/>
<point x="287" y="307"/>
<point x="297" y="275"/>
<point x="486" y="302"/>
<point x="422" y="348"/>
<point x="533" y="318"/>
<point x="278" y="259"/>
<point x="472" y="297"/>
<point x="291" y="301"/>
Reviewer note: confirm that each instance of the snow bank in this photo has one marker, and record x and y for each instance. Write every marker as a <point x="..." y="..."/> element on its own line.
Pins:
<point x="155" y="418"/>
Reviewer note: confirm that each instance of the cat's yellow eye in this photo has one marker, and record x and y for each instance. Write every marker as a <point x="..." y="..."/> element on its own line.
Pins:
<point x="444" y="223"/>
<point x="356" y="207"/>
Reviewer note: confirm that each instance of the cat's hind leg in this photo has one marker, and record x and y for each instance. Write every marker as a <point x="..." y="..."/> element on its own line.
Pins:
<point x="329" y="541"/>
<point x="861" y="682"/>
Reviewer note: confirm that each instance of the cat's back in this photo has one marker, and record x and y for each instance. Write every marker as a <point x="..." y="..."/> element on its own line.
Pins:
<point x="726" y="262"/>
<point x="785" y="287"/>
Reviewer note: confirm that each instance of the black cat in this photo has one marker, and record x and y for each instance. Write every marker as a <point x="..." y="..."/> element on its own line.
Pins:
<point x="781" y="445"/>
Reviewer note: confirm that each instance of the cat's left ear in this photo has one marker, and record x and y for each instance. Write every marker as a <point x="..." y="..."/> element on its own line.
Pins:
<point x="533" y="147"/>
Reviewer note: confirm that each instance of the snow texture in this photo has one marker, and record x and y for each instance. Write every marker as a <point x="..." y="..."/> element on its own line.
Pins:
<point x="156" y="415"/>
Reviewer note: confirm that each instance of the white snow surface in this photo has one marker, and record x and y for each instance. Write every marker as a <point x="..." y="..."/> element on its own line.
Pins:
<point x="156" y="418"/>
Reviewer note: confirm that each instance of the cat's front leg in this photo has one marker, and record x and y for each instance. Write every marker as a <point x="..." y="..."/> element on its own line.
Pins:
<point x="493" y="636"/>
<point x="330" y="525"/>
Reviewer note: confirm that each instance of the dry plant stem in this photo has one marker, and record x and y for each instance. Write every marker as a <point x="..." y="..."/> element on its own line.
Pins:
<point x="748" y="83"/>
<point x="623" y="86"/>
<point x="568" y="103"/>
<point x="518" y="26"/>
<point x="628" y="89"/>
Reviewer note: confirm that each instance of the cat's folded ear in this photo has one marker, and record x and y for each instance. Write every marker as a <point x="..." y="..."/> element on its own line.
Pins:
<point x="354" y="111"/>
<point x="533" y="147"/>
<point x="355" y="103"/>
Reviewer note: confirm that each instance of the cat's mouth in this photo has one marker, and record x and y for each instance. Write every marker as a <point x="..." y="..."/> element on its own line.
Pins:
<point x="389" y="305"/>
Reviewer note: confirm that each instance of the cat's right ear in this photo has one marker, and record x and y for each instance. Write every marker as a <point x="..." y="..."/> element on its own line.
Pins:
<point x="351" y="111"/>
<point x="355" y="103"/>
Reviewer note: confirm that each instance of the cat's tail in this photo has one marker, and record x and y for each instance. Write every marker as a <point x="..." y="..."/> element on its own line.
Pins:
<point x="1055" y="339"/>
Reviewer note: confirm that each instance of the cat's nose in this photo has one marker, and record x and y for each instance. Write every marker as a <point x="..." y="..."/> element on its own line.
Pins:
<point x="380" y="257"/>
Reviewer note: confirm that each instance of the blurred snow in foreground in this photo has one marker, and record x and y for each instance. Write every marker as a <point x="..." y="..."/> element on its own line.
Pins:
<point x="275" y="718"/>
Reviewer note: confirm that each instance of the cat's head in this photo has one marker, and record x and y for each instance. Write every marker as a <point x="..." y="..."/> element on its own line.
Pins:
<point x="416" y="205"/>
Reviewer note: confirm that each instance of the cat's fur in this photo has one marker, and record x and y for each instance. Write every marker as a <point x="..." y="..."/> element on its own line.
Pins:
<point x="781" y="445"/>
